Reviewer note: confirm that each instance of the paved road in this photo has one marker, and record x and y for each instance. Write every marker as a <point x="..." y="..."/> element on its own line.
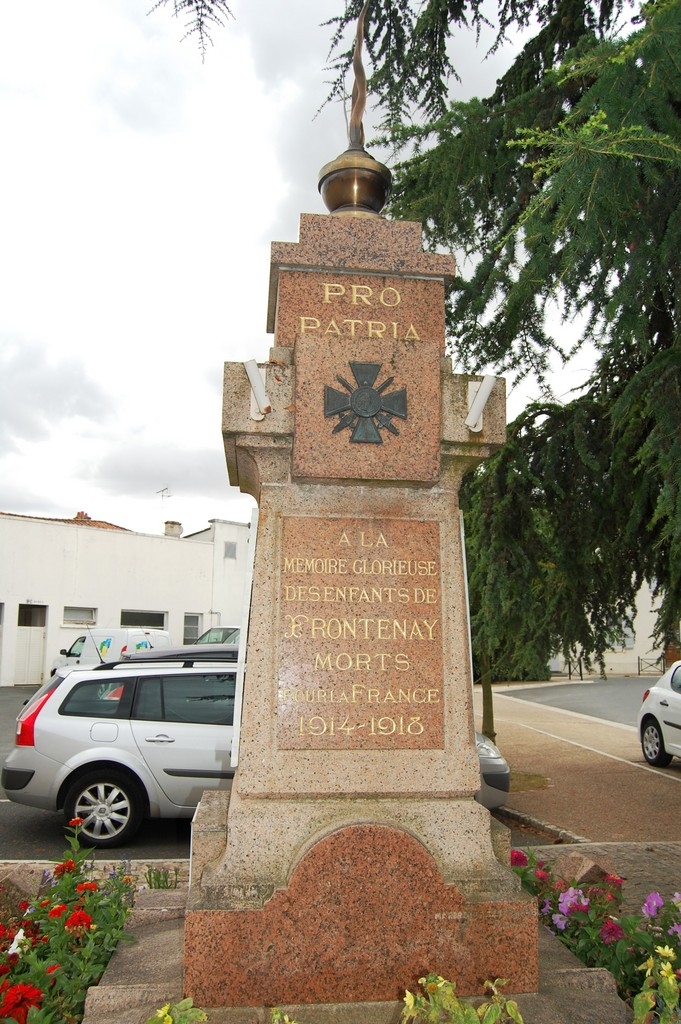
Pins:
<point x="614" y="700"/>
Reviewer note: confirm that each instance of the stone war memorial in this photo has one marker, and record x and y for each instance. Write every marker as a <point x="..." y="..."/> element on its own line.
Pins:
<point x="351" y="857"/>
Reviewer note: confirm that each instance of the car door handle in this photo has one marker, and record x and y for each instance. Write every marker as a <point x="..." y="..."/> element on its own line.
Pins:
<point x="664" y="703"/>
<point x="159" y="739"/>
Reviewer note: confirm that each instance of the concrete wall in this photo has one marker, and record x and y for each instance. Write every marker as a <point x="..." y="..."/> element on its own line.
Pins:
<point x="46" y="566"/>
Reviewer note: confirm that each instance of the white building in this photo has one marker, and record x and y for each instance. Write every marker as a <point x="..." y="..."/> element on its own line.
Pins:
<point x="58" y="576"/>
<point x="639" y="654"/>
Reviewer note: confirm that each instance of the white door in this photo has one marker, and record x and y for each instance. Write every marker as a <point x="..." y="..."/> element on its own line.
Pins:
<point x="30" y="655"/>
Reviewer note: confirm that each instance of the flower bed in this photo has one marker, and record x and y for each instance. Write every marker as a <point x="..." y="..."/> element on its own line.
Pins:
<point x="641" y="950"/>
<point x="59" y="944"/>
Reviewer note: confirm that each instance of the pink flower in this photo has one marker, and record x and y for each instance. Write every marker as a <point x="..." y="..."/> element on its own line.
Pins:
<point x="543" y="876"/>
<point x="518" y="859"/>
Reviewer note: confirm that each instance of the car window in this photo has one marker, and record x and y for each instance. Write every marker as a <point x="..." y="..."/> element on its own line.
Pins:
<point x="201" y="698"/>
<point x="97" y="698"/>
<point x="676" y="680"/>
<point x="76" y="648"/>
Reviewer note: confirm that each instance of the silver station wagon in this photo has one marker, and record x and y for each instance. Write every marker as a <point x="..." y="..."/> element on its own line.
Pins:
<point x="116" y="744"/>
<point x="113" y="745"/>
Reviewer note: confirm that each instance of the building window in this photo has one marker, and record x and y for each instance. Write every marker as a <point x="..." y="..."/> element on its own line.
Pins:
<point x="192" y="628"/>
<point x="79" y="616"/>
<point x="32" y="615"/>
<point x="230" y="549"/>
<point x="628" y="638"/>
<point x="145" y="619"/>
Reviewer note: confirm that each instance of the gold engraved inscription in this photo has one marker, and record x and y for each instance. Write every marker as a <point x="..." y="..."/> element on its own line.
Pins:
<point x="360" y="643"/>
<point x="362" y="296"/>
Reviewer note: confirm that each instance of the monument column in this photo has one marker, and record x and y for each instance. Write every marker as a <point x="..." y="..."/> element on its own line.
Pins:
<point x="351" y="856"/>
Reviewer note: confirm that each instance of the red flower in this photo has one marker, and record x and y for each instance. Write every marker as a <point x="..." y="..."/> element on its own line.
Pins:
<point x="23" y="906"/>
<point x="87" y="887"/>
<point x="78" y="919"/>
<point x="543" y="876"/>
<point x="76" y="822"/>
<point x="63" y="868"/>
<point x="611" y="932"/>
<point x="57" y="910"/>
<point x="18" y="999"/>
<point x="52" y="968"/>
<point x="518" y="859"/>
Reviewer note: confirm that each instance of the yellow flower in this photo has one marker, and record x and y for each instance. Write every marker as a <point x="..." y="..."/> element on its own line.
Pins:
<point x="647" y="966"/>
<point x="162" y="1014"/>
<point x="666" y="952"/>
<point x="666" y="970"/>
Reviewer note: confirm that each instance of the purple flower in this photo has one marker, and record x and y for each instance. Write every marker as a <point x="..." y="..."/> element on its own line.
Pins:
<point x="560" y="921"/>
<point x="676" y="899"/>
<point x="674" y="930"/>
<point x="546" y="907"/>
<point x="653" y="902"/>
<point x="572" y="899"/>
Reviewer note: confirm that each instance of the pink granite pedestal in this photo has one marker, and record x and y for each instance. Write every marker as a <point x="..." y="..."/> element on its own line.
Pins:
<point x="365" y="914"/>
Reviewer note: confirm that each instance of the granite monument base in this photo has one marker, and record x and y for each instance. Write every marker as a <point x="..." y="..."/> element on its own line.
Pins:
<point x="365" y="913"/>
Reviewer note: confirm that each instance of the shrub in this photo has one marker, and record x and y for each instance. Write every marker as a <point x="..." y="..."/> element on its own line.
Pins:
<point x="60" y="943"/>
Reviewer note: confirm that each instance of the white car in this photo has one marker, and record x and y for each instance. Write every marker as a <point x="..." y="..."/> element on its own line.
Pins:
<point x="659" y="720"/>
<point x="116" y="744"/>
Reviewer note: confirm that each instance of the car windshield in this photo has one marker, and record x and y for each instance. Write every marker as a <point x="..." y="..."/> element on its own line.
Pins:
<point x="219" y="635"/>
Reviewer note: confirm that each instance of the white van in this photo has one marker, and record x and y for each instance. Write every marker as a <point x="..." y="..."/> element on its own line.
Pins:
<point x="99" y="645"/>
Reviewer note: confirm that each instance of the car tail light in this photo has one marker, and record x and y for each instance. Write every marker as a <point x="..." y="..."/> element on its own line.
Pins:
<point x="25" y="736"/>
<point x="644" y="698"/>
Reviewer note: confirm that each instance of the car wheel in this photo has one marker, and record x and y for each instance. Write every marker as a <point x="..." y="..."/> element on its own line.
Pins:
<point x="111" y="805"/>
<point x="653" y="744"/>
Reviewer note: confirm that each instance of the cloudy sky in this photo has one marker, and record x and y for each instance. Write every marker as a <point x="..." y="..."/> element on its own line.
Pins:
<point x="141" y="188"/>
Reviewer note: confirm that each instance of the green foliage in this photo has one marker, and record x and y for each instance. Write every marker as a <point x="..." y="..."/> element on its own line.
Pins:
<point x="183" y="1012"/>
<point x="161" y="878"/>
<point x="550" y="566"/>
<point x="561" y="194"/>
<point x="438" y="1003"/>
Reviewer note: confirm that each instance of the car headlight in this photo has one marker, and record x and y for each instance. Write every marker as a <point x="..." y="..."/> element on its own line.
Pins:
<point x="486" y="748"/>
